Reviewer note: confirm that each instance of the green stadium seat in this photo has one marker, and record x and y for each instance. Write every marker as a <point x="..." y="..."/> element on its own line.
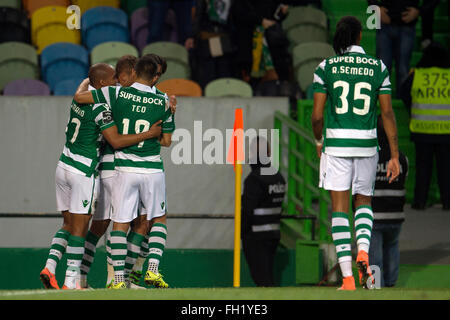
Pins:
<point x="131" y="5"/>
<point x="16" y="4"/>
<point x="347" y="7"/>
<point x="228" y="87"/>
<point x="301" y="15"/>
<point x="442" y="9"/>
<point x="176" y="56"/>
<point x="306" y="58"/>
<point x="17" y="61"/>
<point x="306" y="33"/>
<point x="369" y="42"/>
<point x="168" y="50"/>
<point x="111" y="52"/>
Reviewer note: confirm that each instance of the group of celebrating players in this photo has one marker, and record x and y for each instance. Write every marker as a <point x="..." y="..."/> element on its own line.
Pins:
<point x="111" y="169"/>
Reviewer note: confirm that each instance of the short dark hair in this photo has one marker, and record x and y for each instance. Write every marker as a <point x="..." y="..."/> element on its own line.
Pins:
<point x="347" y="33"/>
<point x="98" y="72"/>
<point x="160" y="61"/>
<point x="146" y="67"/>
<point x="126" y="63"/>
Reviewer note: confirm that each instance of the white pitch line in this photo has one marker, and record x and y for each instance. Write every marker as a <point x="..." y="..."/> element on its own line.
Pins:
<point x="29" y="292"/>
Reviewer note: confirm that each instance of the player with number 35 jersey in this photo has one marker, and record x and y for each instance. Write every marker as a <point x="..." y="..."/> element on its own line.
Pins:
<point x="352" y="83"/>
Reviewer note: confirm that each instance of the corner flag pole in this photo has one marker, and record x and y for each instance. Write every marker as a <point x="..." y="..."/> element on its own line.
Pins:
<point x="236" y="157"/>
<point x="237" y="222"/>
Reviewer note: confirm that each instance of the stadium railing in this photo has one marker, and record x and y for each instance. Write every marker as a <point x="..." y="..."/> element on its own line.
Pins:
<point x="299" y="162"/>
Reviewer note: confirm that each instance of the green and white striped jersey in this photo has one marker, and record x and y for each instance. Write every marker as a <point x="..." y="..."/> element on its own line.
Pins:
<point x="352" y="82"/>
<point x="135" y="109"/>
<point x="83" y="137"/>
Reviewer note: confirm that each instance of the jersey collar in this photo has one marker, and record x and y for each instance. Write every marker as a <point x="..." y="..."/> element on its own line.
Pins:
<point x="90" y="88"/>
<point x="355" y="49"/>
<point x="143" y="87"/>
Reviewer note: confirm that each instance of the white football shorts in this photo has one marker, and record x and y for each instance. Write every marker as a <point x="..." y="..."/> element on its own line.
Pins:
<point x="75" y="193"/>
<point x="104" y="205"/>
<point x="135" y="191"/>
<point x="345" y="173"/>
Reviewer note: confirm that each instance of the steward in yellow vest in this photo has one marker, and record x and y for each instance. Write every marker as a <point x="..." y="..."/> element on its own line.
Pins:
<point x="426" y="92"/>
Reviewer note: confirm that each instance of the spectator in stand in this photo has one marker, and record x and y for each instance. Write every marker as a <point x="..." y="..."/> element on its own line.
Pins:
<point x="157" y="13"/>
<point x="424" y="92"/>
<point x="265" y="15"/>
<point x="396" y="38"/>
<point x="211" y="41"/>
<point x="387" y="204"/>
<point x="427" y="14"/>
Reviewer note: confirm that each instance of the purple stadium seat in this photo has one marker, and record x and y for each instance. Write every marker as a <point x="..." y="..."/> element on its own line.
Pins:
<point x="140" y="25"/>
<point x="26" y="87"/>
<point x="139" y="28"/>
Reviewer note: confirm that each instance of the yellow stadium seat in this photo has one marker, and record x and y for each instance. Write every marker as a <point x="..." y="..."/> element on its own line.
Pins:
<point x="180" y="87"/>
<point x="49" y="25"/>
<point x="32" y="5"/>
<point x="88" y="4"/>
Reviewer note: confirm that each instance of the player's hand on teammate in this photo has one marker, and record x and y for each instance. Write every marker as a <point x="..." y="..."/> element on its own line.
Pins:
<point x="173" y="103"/>
<point x="393" y="169"/>
<point x="156" y="130"/>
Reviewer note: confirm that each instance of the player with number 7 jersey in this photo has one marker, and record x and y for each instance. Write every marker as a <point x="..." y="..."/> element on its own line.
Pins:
<point x="76" y="174"/>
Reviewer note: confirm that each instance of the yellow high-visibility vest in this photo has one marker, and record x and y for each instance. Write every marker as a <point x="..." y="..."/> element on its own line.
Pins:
<point x="430" y="93"/>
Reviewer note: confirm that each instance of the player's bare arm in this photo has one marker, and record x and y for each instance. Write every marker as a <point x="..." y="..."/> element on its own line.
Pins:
<point x="118" y="141"/>
<point x="390" y="126"/>
<point x="83" y="95"/>
<point x="320" y="100"/>
<point x="166" y="139"/>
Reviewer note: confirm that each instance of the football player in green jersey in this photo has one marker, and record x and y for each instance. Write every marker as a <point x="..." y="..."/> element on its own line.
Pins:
<point x="76" y="176"/>
<point x="126" y="76"/>
<point x="352" y="82"/>
<point x="140" y="175"/>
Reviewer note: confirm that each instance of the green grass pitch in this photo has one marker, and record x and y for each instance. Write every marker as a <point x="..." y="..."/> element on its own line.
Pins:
<point x="284" y="293"/>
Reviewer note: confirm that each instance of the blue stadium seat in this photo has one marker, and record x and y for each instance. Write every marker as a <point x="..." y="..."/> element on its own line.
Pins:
<point x="61" y="61"/>
<point x="104" y="24"/>
<point x="67" y="87"/>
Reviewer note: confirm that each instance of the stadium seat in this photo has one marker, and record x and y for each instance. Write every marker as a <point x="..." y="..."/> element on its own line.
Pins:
<point x="139" y="28"/>
<point x="10" y="4"/>
<point x="305" y="24"/>
<point x="228" y="87"/>
<point x="49" y="26"/>
<point x="104" y="24"/>
<point x="132" y="5"/>
<point x="304" y="33"/>
<point x="176" y="56"/>
<point x="180" y="87"/>
<point x="14" y="25"/>
<point x="306" y="58"/>
<point x="26" y="87"/>
<point x="17" y="61"/>
<point x="30" y="6"/>
<point x="110" y="52"/>
<point x="67" y="87"/>
<point x="61" y="61"/>
<point x="301" y="15"/>
<point x="85" y="5"/>
<point x="369" y="42"/>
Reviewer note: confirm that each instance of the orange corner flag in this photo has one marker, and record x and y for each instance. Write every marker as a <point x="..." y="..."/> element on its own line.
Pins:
<point x="236" y="149"/>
